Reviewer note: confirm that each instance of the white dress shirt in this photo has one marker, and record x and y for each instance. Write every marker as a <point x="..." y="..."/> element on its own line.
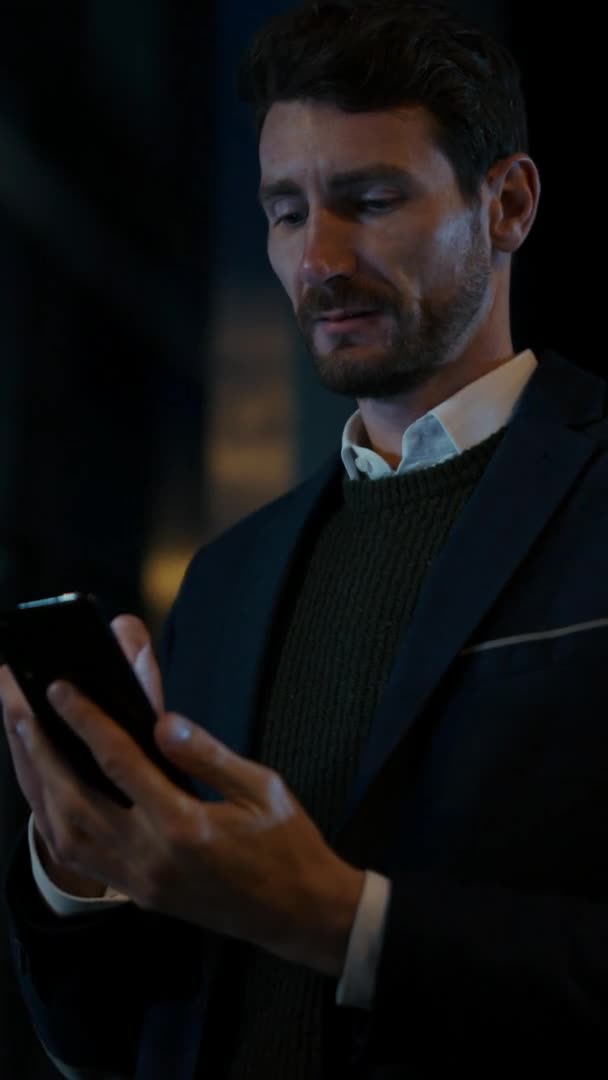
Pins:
<point x="467" y="418"/>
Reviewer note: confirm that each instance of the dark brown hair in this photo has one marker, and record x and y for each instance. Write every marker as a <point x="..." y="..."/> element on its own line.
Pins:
<point x="362" y="55"/>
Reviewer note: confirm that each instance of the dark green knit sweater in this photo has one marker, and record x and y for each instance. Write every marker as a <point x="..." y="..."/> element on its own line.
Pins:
<point x="354" y="592"/>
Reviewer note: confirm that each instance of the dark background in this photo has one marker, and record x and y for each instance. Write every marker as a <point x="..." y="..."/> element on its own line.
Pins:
<point x="152" y="389"/>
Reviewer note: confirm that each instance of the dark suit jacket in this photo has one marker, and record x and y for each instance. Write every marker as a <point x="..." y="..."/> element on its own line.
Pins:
<point x="482" y="791"/>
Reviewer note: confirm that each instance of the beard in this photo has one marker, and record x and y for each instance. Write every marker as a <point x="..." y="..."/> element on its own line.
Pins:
<point x="417" y="341"/>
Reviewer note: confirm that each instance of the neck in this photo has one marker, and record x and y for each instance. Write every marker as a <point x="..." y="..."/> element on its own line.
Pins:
<point x="386" y="419"/>
<point x="391" y="459"/>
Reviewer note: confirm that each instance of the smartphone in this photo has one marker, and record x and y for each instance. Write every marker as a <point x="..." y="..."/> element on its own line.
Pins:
<point x="66" y="637"/>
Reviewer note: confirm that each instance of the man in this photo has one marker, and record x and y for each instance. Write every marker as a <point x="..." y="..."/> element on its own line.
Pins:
<point x="393" y="676"/>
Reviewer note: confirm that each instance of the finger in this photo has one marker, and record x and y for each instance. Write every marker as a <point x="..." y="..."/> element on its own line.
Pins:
<point x="31" y="753"/>
<point x="11" y="695"/>
<point x="199" y="754"/>
<point x="116" y="753"/>
<point x="16" y="715"/>
<point x="135" y="642"/>
<point x="28" y="777"/>
<point x="132" y="635"/>
<point x="61" y="805"/>
<point x="148" y="673"/>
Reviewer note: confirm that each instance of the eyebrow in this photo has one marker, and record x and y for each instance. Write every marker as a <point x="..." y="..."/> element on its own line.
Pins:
<point x="370" y="174"/>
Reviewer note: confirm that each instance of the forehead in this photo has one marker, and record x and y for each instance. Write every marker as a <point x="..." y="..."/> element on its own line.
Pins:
<point x="300" y="138"/>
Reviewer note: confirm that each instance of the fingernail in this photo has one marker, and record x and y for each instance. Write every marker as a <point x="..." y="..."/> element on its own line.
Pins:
<point x="58" y="693"/>
<point x="180" y="730"/>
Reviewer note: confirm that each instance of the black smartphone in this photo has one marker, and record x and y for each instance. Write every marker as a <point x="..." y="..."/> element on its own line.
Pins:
<point x="66" y="637"/>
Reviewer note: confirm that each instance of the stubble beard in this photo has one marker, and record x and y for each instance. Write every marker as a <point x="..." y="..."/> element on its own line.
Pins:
<point x="418" y="343"/>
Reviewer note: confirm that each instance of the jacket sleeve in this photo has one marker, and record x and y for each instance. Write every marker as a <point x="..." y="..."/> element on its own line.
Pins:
<point x="89" y="981"/>
<point x="491" y="980"/>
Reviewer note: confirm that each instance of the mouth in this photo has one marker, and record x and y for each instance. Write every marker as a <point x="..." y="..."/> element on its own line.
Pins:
<point x="344" y="319"/>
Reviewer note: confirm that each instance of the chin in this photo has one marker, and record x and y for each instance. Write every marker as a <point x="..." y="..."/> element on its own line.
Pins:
<point x="358" y="372"/>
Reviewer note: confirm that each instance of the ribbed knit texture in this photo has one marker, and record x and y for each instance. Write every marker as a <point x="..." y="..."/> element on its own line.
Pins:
<point x="355" y="592"/>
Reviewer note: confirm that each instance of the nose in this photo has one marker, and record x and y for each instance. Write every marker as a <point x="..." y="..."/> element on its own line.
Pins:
<point x="328" y="250"/>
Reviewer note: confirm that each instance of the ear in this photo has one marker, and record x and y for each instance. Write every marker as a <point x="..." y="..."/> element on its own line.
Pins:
<point x="513" y="189"/>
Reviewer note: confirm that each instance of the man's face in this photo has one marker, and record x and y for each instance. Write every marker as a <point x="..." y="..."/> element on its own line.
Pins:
<point x="386" y="265"/>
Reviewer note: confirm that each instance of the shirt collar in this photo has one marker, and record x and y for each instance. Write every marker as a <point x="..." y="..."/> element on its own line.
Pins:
<point x="467" y="418"/>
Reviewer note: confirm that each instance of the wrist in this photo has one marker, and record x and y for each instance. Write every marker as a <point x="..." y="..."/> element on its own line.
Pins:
<point x="334" y="906"/>
<point x="67" y="881"/>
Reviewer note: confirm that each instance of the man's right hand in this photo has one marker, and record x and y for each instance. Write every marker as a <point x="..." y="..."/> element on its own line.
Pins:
<point x="134" y="639"/>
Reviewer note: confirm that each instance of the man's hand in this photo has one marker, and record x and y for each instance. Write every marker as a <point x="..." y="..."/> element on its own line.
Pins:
<point x="17" y="714"/>
<point x="253" y="866"/>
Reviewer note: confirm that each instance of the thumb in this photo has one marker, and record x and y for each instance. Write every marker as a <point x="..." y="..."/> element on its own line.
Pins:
<point x="132" y="635"/>
<point x="135" y="641"/>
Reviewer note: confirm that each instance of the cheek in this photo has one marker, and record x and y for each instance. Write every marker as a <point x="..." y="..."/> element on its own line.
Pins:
<point x="455" y="240"/>
<point x="425" y="249"/>
<point x="404" y="250"/>
<point x="435" y="265"/>
<point x="284" y="269"/>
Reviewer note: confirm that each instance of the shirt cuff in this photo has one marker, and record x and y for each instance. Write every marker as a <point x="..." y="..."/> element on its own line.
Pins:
<point x="62" y="903"/>
<point x="358" y="983"/>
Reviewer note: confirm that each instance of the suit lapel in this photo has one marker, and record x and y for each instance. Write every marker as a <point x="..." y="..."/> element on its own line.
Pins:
<point x="255" y="604"/>
<point x="533" y="469"/>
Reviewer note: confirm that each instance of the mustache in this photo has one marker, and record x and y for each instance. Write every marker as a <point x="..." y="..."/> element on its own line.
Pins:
<point x="342" y="294"/>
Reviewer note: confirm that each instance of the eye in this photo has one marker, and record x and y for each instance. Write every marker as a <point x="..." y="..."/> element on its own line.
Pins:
<point x="378" y="206"/>
<point x="287" y="210"/>
<point x="292" y="218"/>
